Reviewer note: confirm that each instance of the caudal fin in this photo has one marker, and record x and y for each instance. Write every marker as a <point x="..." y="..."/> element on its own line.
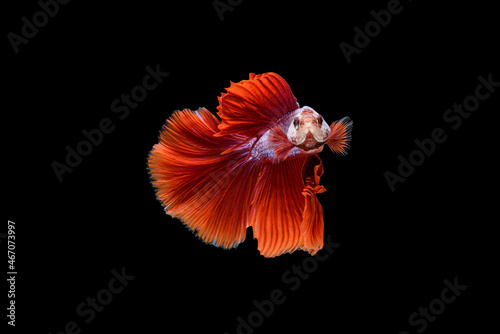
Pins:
<point x="207" y="191"/>
<point x="340" y="136"/>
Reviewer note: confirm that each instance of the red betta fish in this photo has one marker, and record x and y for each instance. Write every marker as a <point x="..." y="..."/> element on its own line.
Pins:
<point x="258" y="166"/>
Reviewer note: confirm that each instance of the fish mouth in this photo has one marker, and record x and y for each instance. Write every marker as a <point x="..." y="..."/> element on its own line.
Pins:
<point x="310" y="143"/>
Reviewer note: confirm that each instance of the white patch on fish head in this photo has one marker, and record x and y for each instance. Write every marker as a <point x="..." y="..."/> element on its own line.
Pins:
<point x="308" y="130"/>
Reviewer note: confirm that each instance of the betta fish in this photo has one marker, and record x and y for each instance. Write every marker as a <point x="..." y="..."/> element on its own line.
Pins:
<point x="258" y="166"/>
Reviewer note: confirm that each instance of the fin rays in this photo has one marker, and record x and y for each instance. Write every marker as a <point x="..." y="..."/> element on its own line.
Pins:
<point x="249" y="106"/>
<point x="218" y="196"/>
<point x="194" y="182"/>
<point x="340" y="136"/>
<point x="206" y="174"/>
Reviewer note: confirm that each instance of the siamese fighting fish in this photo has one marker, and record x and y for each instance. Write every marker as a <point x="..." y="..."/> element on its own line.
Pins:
<point x="255" y="165"/>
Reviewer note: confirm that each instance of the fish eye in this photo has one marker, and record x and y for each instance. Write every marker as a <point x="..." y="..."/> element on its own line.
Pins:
<point x="320" y="120"/>
<point x="296" y="123"/>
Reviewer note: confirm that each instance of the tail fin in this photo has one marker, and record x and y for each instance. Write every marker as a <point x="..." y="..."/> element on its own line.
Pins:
<point x="340" y="136"/>
<point x="195" y="183"/>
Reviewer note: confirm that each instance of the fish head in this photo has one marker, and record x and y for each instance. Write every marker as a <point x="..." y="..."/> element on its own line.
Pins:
<point x="308" y="130"/>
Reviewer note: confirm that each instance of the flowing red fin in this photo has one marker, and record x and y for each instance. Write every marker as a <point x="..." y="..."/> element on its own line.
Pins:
<point x="277" y="208"/>
<point x="249" y="107"/>
<point x="312" y="217"/>
<point x="207" y="191"/>
<point x="340" y="136"/>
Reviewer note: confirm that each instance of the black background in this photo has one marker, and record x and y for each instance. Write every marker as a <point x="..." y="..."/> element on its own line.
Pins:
<point x="396" y="247"/>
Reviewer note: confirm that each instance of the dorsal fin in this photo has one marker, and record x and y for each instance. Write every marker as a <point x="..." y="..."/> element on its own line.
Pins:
<point x="250" y="107"/>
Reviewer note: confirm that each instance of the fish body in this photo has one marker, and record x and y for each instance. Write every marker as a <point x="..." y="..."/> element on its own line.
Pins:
<point x="255" y="167"/>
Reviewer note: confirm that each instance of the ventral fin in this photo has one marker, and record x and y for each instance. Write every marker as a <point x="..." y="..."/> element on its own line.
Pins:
<point x="312" y="226"/>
